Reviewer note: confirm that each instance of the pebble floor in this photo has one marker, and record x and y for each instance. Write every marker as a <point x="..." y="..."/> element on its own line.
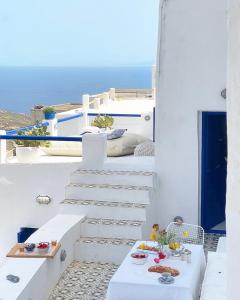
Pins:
<point x="89" y="281"/>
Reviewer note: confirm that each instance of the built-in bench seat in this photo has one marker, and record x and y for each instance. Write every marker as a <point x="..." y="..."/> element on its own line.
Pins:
<point x="214" y="283"/>
<point x="39" y="275"/>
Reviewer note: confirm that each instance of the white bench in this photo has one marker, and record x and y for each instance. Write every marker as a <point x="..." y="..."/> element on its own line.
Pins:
<point x="214" y="283"/>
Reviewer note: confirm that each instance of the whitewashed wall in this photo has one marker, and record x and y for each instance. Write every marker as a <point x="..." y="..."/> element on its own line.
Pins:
<point x="20" y="184"/>
<point x="191" y="73"/>
<point x="136" y="125"/>
<point x="71" y="127"/>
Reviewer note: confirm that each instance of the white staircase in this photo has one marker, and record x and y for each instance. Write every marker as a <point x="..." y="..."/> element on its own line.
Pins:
<point x="116" y="206"/>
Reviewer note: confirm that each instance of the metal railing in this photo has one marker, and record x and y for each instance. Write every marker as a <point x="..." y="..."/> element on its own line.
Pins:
<point x="41" y="138"/>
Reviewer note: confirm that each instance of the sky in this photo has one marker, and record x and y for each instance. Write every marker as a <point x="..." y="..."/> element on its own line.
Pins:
<point x="78" y="32"/>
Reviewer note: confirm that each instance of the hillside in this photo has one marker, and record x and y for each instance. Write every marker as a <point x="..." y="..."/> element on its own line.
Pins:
<point x="9" y="120"/>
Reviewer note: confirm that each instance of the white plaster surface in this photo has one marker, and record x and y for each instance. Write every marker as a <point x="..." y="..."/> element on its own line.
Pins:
<point x="191" y="74"/>
<point x="20" y="184"/>
<point x="233" y="174"/>
<point x="39" y="276"/>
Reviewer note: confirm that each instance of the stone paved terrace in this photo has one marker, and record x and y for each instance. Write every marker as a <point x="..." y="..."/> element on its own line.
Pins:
<point x="89" y="281"/>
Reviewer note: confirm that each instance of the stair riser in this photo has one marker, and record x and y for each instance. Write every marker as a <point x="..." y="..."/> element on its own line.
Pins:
<point x="101" y="253"/>
<point x="104" y="194"/>
<point x="111" y="231"/>
<point x="112" y="179"/>
<point x="105" y="212"/>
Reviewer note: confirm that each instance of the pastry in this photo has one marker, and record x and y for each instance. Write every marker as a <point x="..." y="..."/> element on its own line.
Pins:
<point x="163" y="269"/>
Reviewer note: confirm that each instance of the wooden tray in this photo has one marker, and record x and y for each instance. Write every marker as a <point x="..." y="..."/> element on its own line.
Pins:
<point x="14" y="252"/>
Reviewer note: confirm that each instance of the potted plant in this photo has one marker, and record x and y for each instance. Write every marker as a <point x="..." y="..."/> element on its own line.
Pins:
<point x="49" y="113"/>
<point x="103" y="122"/>
<point x="28" y="151"/>
<point x="164" y="239"/>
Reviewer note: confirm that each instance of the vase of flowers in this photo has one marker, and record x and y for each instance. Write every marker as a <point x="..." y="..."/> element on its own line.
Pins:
<point x="164" y="239"/>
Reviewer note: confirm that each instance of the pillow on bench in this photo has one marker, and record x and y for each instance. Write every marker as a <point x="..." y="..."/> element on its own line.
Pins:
<point x="125" y="145"/>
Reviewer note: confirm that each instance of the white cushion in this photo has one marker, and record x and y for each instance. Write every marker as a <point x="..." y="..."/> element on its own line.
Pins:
<point x="145" y="149"/>
<point x="125" y="145"/>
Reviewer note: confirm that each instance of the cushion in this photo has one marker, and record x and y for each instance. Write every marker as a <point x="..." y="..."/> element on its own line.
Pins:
<point x="115" y="134"/>
<point x="124" y="145"/>
<point x="145" y="149"/>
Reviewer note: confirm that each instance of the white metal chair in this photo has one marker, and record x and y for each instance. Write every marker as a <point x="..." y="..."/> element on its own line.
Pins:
<point x="187" y="233"/>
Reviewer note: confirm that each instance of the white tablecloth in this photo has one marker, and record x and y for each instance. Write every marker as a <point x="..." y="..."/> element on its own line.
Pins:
<point x="134" y="282"/>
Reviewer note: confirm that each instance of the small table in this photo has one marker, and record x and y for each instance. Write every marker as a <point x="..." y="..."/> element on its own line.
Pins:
<point x="134" y="282"/>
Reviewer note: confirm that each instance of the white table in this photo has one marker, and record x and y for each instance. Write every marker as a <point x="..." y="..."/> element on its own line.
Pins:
<point x="134" y="282"/>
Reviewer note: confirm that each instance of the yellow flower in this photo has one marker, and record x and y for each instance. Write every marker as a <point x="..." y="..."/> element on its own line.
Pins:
<point x="185" y="234"/>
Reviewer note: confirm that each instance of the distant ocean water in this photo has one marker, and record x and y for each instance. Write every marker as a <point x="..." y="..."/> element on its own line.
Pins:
<point x="23" y="87"/>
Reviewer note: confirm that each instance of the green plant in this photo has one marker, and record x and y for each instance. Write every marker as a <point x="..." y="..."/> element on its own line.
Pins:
<point x="49" y="110"/>
<point x="103" y="122"/>
<point x="36" y="131"/>
<point x="165" y="238"/>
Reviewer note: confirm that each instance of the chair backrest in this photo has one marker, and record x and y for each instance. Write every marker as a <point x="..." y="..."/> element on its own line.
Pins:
<point x="187" y="233"/>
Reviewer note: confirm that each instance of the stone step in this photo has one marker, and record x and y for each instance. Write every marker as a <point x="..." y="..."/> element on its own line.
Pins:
<point x="102" y="249"/>
<point x="112" y="228"/>
<point x="107" y="192"/>
<point x="84" y="176"/>
<point x="104" y="209"/>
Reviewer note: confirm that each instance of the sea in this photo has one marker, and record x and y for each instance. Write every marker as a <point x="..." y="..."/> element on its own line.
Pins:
<point x="23" y="87"/>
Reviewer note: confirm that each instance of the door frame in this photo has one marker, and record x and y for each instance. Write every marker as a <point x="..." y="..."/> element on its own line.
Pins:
<point x="203" y="154"/>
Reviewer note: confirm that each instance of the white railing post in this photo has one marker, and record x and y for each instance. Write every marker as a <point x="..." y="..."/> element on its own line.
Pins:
<point x="52" y="127"/>
<point x="94" y="149"/>
<point x="112" y="94"/>
<point x="97" y="103"/>
<point x="3" y="148"/>
<point x="85" y="107"/>
<point x="106" y="98"/>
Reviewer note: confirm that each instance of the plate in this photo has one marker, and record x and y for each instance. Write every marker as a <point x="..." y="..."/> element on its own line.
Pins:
<point x="165" y="280"/>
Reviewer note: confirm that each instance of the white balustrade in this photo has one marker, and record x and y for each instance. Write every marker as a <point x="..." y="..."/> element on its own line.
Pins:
<point x="94" y="149"/>
<point x="3" y="148"/>
<point x="52" y="127"/>
<point x="112" y="94"/>
<point x="85" y="107"/>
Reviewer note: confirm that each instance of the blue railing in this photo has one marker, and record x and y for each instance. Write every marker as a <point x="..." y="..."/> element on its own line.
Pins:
<point x="30" y="127"/>
<point x="41" y="138"/>
<point x="15" y="131"/>
<point x="65" y="119"/>
<point x="115" y="115"/>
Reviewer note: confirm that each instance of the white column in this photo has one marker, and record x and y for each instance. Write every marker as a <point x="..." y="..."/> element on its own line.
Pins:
<point x="3" y="148"/>
<point x="52" y="127"/>
<point x="106" y="99"/>
<point x="112" y="93"/>
<point x="97" y="103"/>
<point x="85" y="106"/>
<point x="94" y="150"/>
<point x="233" y="174"/>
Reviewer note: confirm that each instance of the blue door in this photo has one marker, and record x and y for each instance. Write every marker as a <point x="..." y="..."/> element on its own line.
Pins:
<point x="214" y="171"/>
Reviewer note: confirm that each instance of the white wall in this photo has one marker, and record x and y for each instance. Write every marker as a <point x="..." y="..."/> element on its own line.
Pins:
<point x="71" y="127"/>
<point x="20" y="184"/>
<point x="233" y="174"/>
<point x="136" y="125"/>
<point x="191" y="73"/>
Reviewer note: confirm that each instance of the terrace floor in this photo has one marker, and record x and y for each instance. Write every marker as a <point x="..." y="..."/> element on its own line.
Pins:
<point x="89" y="281"/>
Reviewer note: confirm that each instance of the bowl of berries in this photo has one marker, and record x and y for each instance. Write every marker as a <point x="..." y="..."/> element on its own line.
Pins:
<point x="161" y="256"/>
<point x="42" y="247"/>
<point x="29" y="247"/>
<point x="139" y="258"/>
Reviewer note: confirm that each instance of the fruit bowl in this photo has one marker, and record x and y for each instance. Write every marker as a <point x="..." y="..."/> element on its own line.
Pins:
<point x="29" y="247"/>
<point x="42" y="247"/>
<point x="139" y="258"/>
